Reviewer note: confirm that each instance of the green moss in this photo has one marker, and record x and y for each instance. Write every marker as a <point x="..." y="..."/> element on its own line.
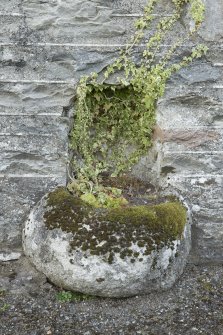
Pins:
<point x="167" y="218"/>
<point x="65" y="211"/>
<point x="67" y="296"/>
<point x="106" y="232"/>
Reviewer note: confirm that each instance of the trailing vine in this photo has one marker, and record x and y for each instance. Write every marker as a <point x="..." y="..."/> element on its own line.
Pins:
<point x="114" y="123"/>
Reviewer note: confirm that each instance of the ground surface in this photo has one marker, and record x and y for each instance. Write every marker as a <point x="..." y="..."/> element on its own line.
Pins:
<point x="29" y="305"/>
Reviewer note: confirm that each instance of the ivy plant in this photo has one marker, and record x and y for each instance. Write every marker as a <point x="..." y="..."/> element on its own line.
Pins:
<point x="114" y="123"/>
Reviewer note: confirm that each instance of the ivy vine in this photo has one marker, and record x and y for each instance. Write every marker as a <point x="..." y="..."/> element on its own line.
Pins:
<point x="114" y="123"/>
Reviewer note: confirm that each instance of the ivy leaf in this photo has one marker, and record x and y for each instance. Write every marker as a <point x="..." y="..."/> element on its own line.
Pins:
<point x="97" y="97"/>
<point x="107" y="106"/>
<point x="148" y="101"/>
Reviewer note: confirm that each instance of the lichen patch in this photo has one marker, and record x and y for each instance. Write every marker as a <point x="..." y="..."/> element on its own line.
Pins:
<point x="131" y="232"/>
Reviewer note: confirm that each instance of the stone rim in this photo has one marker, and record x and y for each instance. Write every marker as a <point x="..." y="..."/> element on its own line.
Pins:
<point x="123" y="278"/>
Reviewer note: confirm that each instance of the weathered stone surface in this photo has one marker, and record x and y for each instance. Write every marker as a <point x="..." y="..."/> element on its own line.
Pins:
<point x="198" y="73"/>
<point x="69" y="21"/>
<point x="10" y="6"/>
<point x="27" y="152"/>
<point x="206" y="90"/>
<point x="214" y="54"/>
<point x="32" y="110"/>
<point x="204" y="192"/>
<point x="54" y="62"/>
<point x="46" y="47"/>
<point x="23" y="163"/>
<point x="26" y="143"/>
<point x="34" y="125"/>
<point x="196" y="139"/>
<point x="212" y="29"/>
<point x="30" y="94"/>
<point x="148" y="167"/>
<point x="87" y="22"/>
<point x="208" y="238"/>
<point x="9" y="256"/>
<point x="18" y="194"/>
<point x="59" y="62"/>
<point x="78" y="270"/>
<point x="179" y="112"/>
<point x="9" y="25"/>
<point x="128" y="7"/>
<point x="192" y="163"/>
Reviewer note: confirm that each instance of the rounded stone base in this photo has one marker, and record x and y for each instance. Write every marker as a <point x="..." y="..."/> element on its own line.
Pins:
<point x="51" y="251"/>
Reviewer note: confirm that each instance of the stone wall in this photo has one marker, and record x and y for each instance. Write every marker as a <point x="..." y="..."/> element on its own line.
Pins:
<point x="191" y="120"/>
<point x="45" y="46"/>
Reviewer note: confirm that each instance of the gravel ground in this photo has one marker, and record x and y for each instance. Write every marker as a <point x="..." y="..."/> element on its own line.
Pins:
<point x="29" y="305"/>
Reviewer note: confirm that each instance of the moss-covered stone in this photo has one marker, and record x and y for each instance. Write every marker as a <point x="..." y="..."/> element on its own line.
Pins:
<point x="122" y="231"/>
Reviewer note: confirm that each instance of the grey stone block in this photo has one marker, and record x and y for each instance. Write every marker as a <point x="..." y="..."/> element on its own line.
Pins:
<point x="53" y="62"/>
<point x="205" y="196"/>
<point x="48" y="145"/>
<point x="212" y="28"/>
<point x="191" y="163"/>
<point x="205" y="91"/>
<point x="128" y="7"/>
<point x="207" y="139"/>
<point x="215" y="53"/>
<point x="10" y="6"/>
<point x="74" y="22"/>
<point x="31" y="94"/>
<point x="35" y="125"/>
<point x="193" y="108"/>
<point x="32" y="110"/>
<point x="9" y="26"/>
<point x="198" y="73"/>
<point x="208" y="241"/>
<point x="17" y="196"/>
<point x="24" y="163"/>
